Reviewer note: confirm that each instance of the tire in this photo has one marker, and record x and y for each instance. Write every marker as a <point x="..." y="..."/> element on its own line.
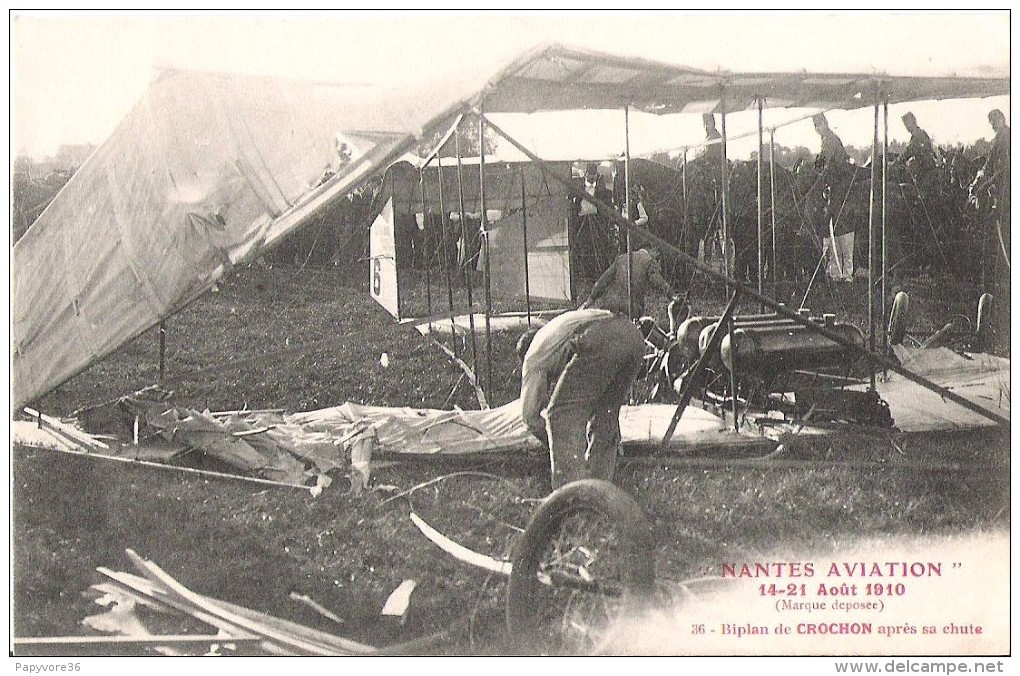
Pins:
<point x="984" y="314"/>
<point x="898" y="318"/>
<point x="631" y="538"/>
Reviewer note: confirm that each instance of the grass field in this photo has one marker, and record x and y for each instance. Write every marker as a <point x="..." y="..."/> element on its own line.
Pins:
<point x="307" y="339"/>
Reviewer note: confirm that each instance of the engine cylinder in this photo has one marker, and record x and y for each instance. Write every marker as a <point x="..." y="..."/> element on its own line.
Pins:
<point x="687" y="336"/>
<point x="787" y="348"/>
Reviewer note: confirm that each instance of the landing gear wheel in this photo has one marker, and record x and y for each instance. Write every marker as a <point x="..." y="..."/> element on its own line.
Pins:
<point x="898" y="318"/>
<point x="586" y="558"/>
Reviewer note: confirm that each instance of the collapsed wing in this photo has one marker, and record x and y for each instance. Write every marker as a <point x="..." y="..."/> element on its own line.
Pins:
<point x="205" y="173"/>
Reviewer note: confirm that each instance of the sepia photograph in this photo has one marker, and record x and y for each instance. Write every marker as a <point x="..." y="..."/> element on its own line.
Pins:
<point x="491" y="334"/>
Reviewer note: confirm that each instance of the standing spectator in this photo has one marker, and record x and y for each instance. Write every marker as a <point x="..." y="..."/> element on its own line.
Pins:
<point x="834" y="181"/>
<point x="713" y="154"/>
<point x="919" y="153"/>
<point x="594" y="185"/>
<point x="634" y="212"/>
<point x="996" y="170"/>
<point x="576" y="375"/>
<point x="592" y="234"/>
<point x="995" y="176"/>
<point x="833" y="159"/>
<point x="638" y="214"/>
<point x="708" y="169"/>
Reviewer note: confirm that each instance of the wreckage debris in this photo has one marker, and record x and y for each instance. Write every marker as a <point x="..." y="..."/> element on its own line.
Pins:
<point x="399" y="600"/>
<point x="167" y="644"/>
<point x="276" y="635"/>
<point x="460" y="552"/>
<point x="316" y="606"/>
<point x="295" y="450"/>
<point x="66" y="433"/>
<point x="239" y="625"/>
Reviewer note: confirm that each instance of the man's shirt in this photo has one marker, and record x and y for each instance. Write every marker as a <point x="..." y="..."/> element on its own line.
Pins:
<point x="545" y="360"/>
<point x="997" y="163"/>
<point x="588" y="208"/>
<point x="920" y="144"/>
<point x="833" y="150"/>
<point x="610" y="291"/>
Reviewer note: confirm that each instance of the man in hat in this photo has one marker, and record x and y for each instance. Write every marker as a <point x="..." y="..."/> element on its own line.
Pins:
<point x="834" y="182"/>
<point x="833" y="157"/>
<point x="713" y="143"/>
<point x="996" y="168"/>
<point x="591" y="237"/>
<point x="595" y="186"/>
<point x="995" y="175"/>
<point x="919" y="153"/>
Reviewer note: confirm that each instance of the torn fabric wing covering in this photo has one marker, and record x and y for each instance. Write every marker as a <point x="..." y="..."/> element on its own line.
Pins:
<point x="982" y="378"/>
<point x="411" y="431"/>
<point x="201" y="175"/>
<point x="208" y="170"/>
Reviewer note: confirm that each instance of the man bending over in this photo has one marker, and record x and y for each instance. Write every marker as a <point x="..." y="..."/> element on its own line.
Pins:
<point x="576" y="375"/>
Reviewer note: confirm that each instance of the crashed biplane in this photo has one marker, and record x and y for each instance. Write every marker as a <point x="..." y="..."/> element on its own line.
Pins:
<point x="210" y="171"/>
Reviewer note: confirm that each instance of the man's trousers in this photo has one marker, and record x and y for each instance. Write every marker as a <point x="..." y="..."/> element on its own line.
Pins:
<point x="583" y="415"/>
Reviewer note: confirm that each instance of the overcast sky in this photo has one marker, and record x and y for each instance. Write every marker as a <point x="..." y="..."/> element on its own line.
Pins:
<point x="75" y="75"/>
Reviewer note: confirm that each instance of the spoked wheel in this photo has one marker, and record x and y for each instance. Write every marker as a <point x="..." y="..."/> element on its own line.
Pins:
<point x="585" y="560"/>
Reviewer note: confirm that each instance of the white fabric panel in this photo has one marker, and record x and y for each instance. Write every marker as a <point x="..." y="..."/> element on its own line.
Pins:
<point x="383" y="267"/>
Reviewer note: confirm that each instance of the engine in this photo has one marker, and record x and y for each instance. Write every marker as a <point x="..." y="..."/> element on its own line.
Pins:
<point x="779" y="364"/>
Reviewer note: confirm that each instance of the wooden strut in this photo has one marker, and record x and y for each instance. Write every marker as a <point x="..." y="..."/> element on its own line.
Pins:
<point x="871" y="244"/>
<point x="761" y="225"/>
<point x="445" y="249"/>
<point x="144" y="591"/>
<point x="486" y="269"/>
<point x="76" y="436"/>
<point x="885" y="252"/>
<point x="468" y="310"/>
<point x="162" y="351"/>
<point x="187" y="470"/>
<point x="437" y="154"/>
<point x="683" y="181"/>
<point x="688" y="390"/>
<point x="426" y="227"/>
<point x="467" y="372"/>
<point x="724" y="190"/>
<point x="454" y="128"/>
<point x="148" y="640"/>
<point x="772" y="209"/>
<point x="807" y="463"/>
<point x="466" y="272"/>
<point x="726" y="255"/>
<point x="779" y="308"/>
<point x="524" y="233"/>
<point x="291" y="640"/>
<point x="141" y="590"/>
<point x="626" y="200"/>
<point x="460" y="552"/>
